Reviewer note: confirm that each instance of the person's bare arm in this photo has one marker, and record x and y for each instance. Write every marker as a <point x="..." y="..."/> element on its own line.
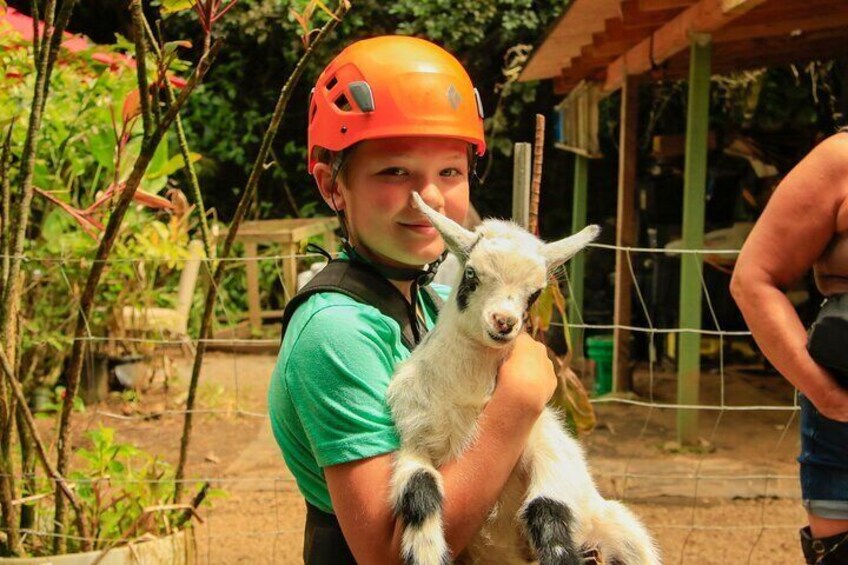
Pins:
<point x="472" y="484"/>
<point x="797" y="225"/>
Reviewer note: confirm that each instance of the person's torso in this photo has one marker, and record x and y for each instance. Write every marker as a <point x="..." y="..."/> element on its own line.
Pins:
<point x="831" y="269"/>
<point x="286" y="421"/>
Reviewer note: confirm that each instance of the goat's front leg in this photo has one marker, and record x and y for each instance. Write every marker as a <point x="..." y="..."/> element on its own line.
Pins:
<point x="417" y="495"/>
<point x="553" y="513"/>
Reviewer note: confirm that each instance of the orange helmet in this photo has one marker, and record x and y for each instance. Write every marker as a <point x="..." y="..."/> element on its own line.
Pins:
<point x="393" y="86"/>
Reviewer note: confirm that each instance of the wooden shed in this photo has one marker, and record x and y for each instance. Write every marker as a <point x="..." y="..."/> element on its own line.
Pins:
<point x="597" y="47"/>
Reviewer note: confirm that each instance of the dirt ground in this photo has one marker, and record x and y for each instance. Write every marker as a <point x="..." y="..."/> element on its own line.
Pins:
<point x="734" y="500"/>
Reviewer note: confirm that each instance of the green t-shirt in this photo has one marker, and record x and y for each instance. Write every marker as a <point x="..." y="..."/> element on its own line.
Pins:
<point x="327" y="397"/>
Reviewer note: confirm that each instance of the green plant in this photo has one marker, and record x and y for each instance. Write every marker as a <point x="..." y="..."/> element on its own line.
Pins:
<point x="47" y="157"/>
<point x="91" y="110"/>
<point x="124" y="490"/>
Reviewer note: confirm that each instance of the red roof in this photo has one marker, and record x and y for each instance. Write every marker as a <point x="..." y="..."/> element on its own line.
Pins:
<point x="23" y="25"/>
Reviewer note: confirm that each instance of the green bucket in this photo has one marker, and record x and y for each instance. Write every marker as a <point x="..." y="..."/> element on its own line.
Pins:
<point x="599" y="350"/>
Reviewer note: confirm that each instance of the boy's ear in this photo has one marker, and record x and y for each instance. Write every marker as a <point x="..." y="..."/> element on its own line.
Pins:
<point x="323" y="175"/>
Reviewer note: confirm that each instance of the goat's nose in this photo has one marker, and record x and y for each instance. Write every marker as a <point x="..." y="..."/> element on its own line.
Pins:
<point x="504" y="322"/>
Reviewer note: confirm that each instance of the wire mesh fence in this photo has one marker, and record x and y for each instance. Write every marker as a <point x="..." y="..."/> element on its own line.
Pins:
<point x="734" y="496"/>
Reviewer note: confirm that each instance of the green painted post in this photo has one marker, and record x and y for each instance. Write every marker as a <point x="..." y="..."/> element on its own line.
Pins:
<point x="694" y="187"/>
<point x="577" y="268"/>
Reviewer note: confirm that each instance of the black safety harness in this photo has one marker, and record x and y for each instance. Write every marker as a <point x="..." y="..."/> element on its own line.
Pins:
<point x="368" y="283"/>
<point x="828" y="337"/>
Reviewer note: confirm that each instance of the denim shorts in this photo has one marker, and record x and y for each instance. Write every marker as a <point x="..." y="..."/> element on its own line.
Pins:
<point x="824" y="463"/>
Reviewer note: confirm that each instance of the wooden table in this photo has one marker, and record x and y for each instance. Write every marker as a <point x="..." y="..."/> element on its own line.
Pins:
<point x="289" y="233"/>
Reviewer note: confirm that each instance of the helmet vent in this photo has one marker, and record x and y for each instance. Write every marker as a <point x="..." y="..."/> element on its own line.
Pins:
<point x="343" y="104"/>
<point x="331" y="83"/>
<point x="313" y="111"/>
<point x="362" y="95"/>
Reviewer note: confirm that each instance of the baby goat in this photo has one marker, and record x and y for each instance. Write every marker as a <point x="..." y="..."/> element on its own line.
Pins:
<point x="550" y="503"/>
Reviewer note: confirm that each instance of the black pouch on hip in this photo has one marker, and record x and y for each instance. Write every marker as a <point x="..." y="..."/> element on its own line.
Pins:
<point x="828" y="338"/>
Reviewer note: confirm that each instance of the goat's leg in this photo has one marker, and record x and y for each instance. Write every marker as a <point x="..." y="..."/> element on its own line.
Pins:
<point x="559" y="472"/>
<point x="417" y="495"/>
<point x="552" y="512"/>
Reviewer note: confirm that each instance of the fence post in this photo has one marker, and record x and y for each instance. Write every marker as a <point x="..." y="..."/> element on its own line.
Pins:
<point x="577" y="266"/>
<point x="521" y="184"/>
<point x="694" y="187"/>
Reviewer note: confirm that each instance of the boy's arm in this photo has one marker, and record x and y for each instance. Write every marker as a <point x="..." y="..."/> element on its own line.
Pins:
<point x="472" y="483"/>
<point x="798" y="223"/>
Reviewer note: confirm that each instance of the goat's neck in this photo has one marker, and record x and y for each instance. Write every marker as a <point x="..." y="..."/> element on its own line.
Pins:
<point x="467" y="367"/>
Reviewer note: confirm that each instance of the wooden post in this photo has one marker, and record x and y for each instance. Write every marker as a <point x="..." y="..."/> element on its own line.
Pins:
<point x="521" y="184"/>
<point x="694" y="187"/>
<point x="254" y="310"/>
<point x="577" y="266"/>
<point x="625" y="231"/>
<point x="290" y="269"/>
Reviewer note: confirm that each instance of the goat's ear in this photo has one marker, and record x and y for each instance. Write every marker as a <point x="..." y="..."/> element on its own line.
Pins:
<point x="559" y="252"/>
<point x="458" y="239"/>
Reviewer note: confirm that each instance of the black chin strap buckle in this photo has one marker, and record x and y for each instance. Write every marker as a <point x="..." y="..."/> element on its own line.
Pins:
<point x="430" y="272"/>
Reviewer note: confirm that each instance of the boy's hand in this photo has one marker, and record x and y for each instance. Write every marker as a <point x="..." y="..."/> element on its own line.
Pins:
<point x="527" y="376"/>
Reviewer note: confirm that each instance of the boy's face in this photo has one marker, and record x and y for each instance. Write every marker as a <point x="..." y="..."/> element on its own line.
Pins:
<point x="381" y="176"/>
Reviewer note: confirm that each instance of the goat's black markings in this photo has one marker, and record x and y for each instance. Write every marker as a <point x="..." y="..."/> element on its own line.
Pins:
<point x="420" y="499"/>
<point x="533" y="298"/>
<point x="548" y="524"/>
<point x="467" y="285"/>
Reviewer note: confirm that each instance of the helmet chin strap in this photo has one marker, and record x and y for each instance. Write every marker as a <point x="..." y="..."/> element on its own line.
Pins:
<point x="421" y="277"/>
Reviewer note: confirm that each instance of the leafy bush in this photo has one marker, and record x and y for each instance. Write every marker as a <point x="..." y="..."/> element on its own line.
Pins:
<point x="124" y="490"/>
<point x="81" y="154"/>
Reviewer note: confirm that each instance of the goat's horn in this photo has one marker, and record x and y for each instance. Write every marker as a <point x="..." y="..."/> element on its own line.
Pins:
<point x="458" y="239"/>
<point x="561" y="251"/>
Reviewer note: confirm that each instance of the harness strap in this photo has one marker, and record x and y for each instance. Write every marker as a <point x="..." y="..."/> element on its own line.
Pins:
<point x="364" y="284"/>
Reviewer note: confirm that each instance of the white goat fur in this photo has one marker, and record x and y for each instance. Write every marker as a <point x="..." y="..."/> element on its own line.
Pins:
<point x="437" y="395"/>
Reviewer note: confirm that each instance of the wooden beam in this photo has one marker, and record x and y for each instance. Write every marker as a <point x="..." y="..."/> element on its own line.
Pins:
<point x="706" y="16"/>
<point x="694" y="198"/>
<point x="564" y="83"/>
<point x="625" y="235"/>
<point x="561" y="85"/>
<point x="585" y="64"/>
<point x="733" y="6"/>
<point x="634" y="18"/>
<point x="659" y="5"/>
<point x="606" y="48"/>
<point x="803" y="24"/>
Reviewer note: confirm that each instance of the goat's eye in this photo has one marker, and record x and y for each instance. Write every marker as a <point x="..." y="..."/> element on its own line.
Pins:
<point x="470" y="273"/>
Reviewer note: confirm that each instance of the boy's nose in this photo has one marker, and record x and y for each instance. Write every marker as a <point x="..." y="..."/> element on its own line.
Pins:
<point x="432" y="196"/>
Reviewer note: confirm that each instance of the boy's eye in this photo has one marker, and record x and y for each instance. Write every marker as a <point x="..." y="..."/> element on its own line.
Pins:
<point x="393" y="172"/>
<point x="452" y="172"/>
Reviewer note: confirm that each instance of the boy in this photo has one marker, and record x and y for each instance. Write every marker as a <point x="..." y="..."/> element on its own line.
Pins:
<point x="389" y="116"/>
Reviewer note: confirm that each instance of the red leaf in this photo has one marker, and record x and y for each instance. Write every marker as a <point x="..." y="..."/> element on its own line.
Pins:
<point x="132" y="106"/>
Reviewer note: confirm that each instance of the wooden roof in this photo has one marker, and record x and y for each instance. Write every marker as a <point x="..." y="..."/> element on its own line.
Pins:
<point x="602" y="40"/>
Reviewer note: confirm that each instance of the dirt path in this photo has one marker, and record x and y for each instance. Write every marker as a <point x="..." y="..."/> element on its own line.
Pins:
<point x="704" y="508"/>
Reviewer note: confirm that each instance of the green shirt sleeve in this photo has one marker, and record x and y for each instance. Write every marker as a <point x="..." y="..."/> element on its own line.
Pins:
<point x="337" y="376"/>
